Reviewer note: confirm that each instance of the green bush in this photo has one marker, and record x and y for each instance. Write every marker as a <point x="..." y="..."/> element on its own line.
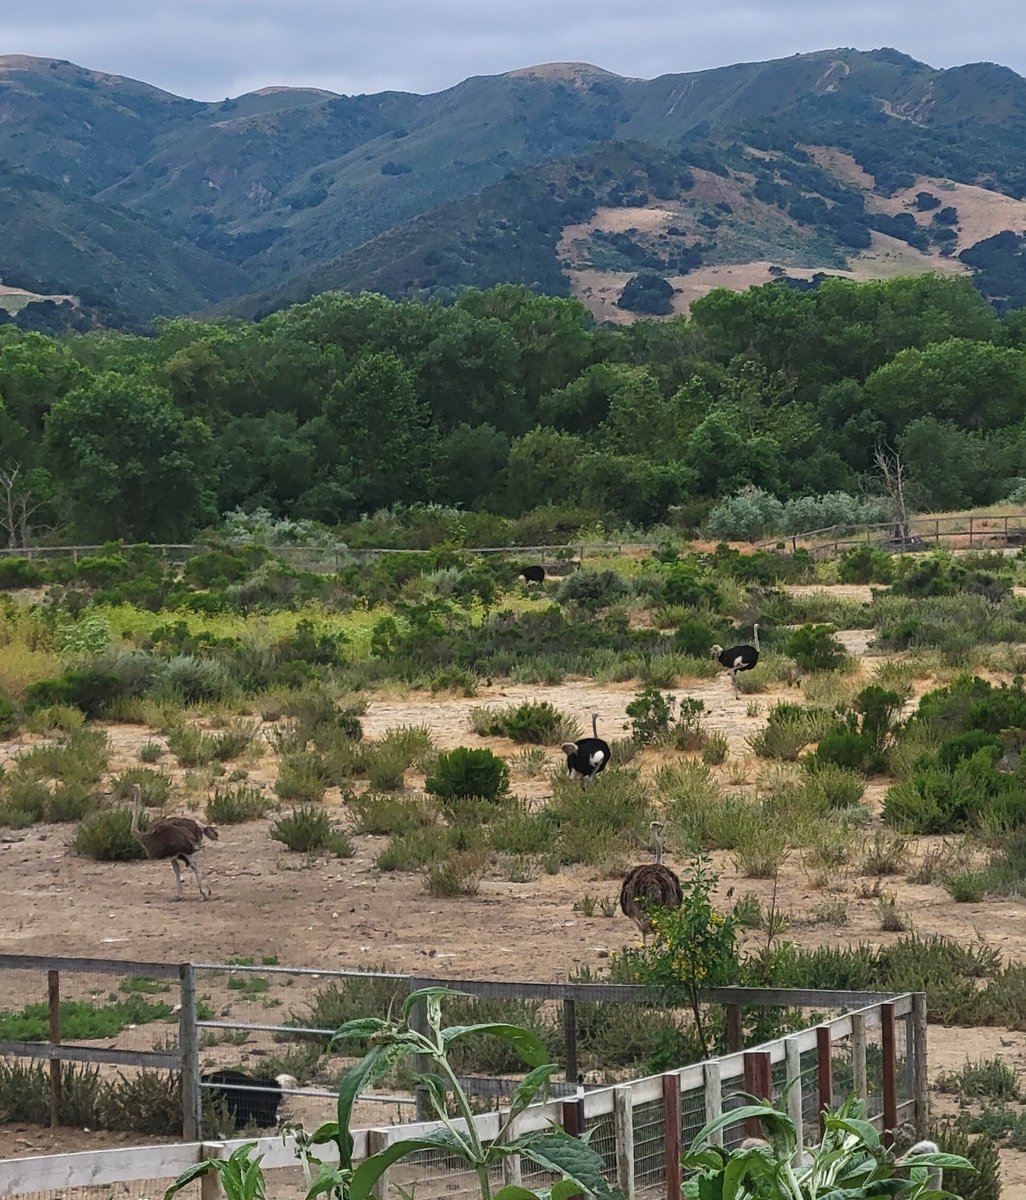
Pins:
<point x="303" y="830"/>
<point x="592" y="589"/>
<point x="814" y="648"/>
<point x="107" y="836"/>
<point x="155" y="786"/>
<point x="233" y="805"/>
<point x="463" y="773"/>
<point x="865" y="564"/>
<point x="91" y="691"/>
<point x="21" y="572"/>
<point x="540" y="724"/>
<point x="8" y="718"/>
<point x="694" y="637"/>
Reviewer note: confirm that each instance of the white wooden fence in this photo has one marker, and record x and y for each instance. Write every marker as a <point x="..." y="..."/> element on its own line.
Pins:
<point x="878" y="1050"/>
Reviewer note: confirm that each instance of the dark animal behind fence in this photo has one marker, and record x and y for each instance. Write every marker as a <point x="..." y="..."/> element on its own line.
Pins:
<point x="245" y="1107"/>
<point x="533" y="574"/>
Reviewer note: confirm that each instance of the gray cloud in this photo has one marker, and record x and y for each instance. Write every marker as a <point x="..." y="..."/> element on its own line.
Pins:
<point x="209" y="49"/>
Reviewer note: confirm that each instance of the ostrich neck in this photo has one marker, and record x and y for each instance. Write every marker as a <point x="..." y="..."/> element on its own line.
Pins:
<point x="594" y="725"/>
<point x="658" y="848"/>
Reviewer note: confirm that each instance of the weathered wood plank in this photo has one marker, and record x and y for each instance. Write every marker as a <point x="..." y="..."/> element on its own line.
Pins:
<point x="91" y="966"/>
<point x="92" y="1054"/>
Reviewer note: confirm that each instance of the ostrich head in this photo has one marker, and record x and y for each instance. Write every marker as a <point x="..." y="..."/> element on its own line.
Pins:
<point x="569" y="747"/>
<point x="287" y="1083"/>
<point x="716" y="651"/>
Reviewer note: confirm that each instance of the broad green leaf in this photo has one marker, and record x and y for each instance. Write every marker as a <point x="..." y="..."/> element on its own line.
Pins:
<point x="763" y="1112"/>
<point x="370" y="1170"/>
<point x="325" y="1133"/>
<point x="428" y="993"/>
<point x="435" y="1087"/>
<point x="530" y="1048"/>
<point x="361" y="1027"/>
<point x="329" y="1179"/>
<point x="188" y="1175"/>
<point x="527" y="1091"/>
<point x="863" y="1130"/>
<point x="953" y="1162"/>
<point x="372" y="1066"/>
<point x="513" y="1191"/>
<point x="568" y="1156"/>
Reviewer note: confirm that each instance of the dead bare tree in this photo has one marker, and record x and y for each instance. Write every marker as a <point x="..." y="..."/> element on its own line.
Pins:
<point x="892" y="473"/>
<point x="17" y="504"/>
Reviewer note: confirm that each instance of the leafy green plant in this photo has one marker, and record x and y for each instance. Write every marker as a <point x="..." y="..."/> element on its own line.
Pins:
<point x="233" y="805"/>
<point x="107" y="836"/>
<point x="850" y="1160"/>
<point x="580" y="1167"/>
<point x="540" y="724"/>
<point x="814" y="648"/>
<point x="303" y="830"/>
<point x="463" y="772"/>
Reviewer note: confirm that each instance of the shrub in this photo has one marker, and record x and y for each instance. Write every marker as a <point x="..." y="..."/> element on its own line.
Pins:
<point x="8" y="718"/>
<point x="865" y="564"/>
<point x="71" y="802"/>
<point x="539" y="724"/>
<point x="788" y="731"/>
<point x="233" y="805"/>
<point x="303" y="830"/>
<point x="715" y="749"/>
<point x="155" y="786"/>
<point x="59" y="718"/>
<point x="814" y="648"/>
<point x="651" y="714"/>
<point x="21" y="573"/>
<point x="592" y="589"/>
<point x="459" y="874"/>
<point x="107" y="836"/>
<point x="302" y="776"/>
<point x="390" y="814"/>
<point x="694" y="637"/>
<point x="91" y="691"/>
<point x="463" y="772"/>
<point x="386" y="765"/>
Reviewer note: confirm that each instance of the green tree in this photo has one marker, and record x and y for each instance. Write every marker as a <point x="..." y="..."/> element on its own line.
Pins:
<point x="543" y="466"/>
<point x="126" y="462"/>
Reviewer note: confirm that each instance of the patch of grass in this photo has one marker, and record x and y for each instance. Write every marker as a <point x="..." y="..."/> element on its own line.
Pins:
<point x="150" y="752"/>
<point x="459" y="874"/>
<point x="141" y="984"/>
<point x="414" y="850"/>
<point x="884" y="853"/>
<point x="234" y="805"/>
<point x="155" y="786"/>
<point x="987" y="1078"/>
<point x="302" y="777"/>
<point x="761" y="852"/>
<point x="386" y="764"/>
<point x="539" y="724"/>
<point x="968" y="886"/>
<point x="389" y="814"/>
<point x="892" y="919"/>
<point x="81" y="1021"/>
<point x="715" y="748"/>
<point x="304" y="830"/>
<point x="58" y="718"/>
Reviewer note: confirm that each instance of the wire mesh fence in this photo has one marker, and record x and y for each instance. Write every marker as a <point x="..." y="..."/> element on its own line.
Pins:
<point x="267" y="1022"/>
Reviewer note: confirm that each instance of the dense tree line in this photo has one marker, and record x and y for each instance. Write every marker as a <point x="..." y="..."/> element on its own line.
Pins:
<point x="505" y="401"/>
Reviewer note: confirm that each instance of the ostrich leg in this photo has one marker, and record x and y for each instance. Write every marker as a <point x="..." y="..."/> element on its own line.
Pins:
<point x="204" y="895"/>
<point x="178" y="877"/>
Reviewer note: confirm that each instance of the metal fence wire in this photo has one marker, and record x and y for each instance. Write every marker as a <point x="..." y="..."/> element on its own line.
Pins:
<point x="266" y="1021"/>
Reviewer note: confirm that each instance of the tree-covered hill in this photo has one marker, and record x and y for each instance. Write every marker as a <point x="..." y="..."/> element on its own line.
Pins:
<point x="514" y="412"/>
<point x="295" y="188"/>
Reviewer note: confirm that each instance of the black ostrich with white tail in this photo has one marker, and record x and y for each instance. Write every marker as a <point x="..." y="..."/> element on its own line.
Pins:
<point x="535" y="574"/>
<point x="738" y="658"/>
<point x="248" y="1099"/>
<point x="586" y="757"/>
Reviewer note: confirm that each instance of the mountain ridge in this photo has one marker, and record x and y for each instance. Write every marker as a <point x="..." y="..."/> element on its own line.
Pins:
<point x="283" y="185"/>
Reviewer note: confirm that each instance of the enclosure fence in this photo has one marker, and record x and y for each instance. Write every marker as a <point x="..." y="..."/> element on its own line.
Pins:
<point x="963" y="531"/>
<point x="876" y="1049"/>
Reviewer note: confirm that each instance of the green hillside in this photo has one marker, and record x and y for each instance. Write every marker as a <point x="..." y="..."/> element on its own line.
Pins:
<point x="291" y="189"/>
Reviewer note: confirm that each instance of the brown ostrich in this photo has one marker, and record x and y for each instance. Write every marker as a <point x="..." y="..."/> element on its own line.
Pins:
<point x="650" y="886"/>
<point x="176" y="838"/>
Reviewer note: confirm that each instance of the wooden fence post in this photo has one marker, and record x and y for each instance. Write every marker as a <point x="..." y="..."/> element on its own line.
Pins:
<point x="421" y="1063"/>
<point x="858" y="1056"/>
<point x="758" y="1082"/>
<point x="570" y="1038"/>
<point x="188" y="1048"/>
<point x="210" y="1181"/>
<point x="920" y="1083"/>
<point x="793" y="1084"/>
<point x="735" y="1037"/>
<point x="53" y="1003"/>
<point x="377" y="1140"/>
<point x="824" y="1070"/>
<point x="888" y="1043"/>
<point x="713" y="1089"/>
<point x="671" y="1134"/>
<point x="623" y="1131"/>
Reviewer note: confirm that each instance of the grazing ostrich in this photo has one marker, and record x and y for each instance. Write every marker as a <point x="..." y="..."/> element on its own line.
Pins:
<point x="176" y="838"/>
<point x="738" y="658"/>
<point x="934" y="1175"/>
<point x="650" y="886"/>
<point x="533" y="574"/>
<point x="247" y="1099"/>
<point x="586" y="757"/>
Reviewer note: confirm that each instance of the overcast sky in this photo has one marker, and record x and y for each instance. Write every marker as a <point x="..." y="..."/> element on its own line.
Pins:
<point x="209" y="49"/>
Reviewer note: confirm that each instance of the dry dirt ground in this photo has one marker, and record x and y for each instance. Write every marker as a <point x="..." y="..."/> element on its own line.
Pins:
<point x="332" y="914"/>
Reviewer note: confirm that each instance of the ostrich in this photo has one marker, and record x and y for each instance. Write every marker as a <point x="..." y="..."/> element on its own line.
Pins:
<point x="176" y="838"/>
<point x="934" y="1175"/>
<point x="533" y="574"/>
<point x="738" y="658"/>
<point x="586" y="757"/>
<point x="247" y="1099"/>
<point x="650" y="886"/>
